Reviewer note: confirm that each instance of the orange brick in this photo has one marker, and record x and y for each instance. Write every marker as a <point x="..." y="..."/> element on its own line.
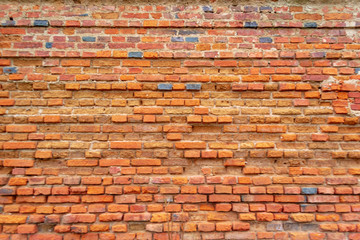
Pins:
<point x="7" y="102"/>
<point x="136" y="63"/>
<point x="18" y="163"/>
<point x="125" y="145"/>
<point x="119" y="118"/>
<point x="21" y="128"/>
<point x="146" y="162"/>
<point x="82" y="163"/>
<point x="190" y="145"/>
<point x="19" y="145"/>
<point x="43" y="154"/>
<point x="78" y="63"/>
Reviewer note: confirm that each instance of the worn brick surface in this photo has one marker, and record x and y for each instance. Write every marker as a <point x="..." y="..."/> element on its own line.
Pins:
<point x="165" y="120"/>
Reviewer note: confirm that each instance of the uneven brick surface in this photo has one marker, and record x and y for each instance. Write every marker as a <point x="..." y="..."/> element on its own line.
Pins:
<point x="179" y="121"/>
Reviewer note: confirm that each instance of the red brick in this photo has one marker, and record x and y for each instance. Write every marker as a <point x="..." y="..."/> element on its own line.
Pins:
<point x="224" y="198"/>
<point x="114" y="162"/>
<point x="119" y="228"/>
<point x="206" y="227"/>
<point x="137" y="217"/>
<point x="235" y="162"/>
<point x="289" y="198"/>
<point x="5" y="62"/>
<point x="136" y="63"/>
<point x="261" y="180"/>
<point x="45" y="236"/>
<point x="323" y="199"/>
<point x="27" y="229"/>
<point x="146" y="162"/>
<point x="258" y="198"/>
<point x="82" y="162"/>
<point x="190" y="198"/>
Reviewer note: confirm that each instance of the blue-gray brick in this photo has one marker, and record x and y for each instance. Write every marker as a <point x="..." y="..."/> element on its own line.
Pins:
<point x="135" y="54"/>
<point x="192" y="39"/>
<point x="49" y="45"/>
<point x="177" y="39"/>
<point x="88" y="39"/>
<point x="291" y="227"/>
<point x="165" y="86"/>
<point x="207" y="9"/>
<point x="10" y="70"/>
<point x="8" y="23"/>
<point x="251" y="25"/>
<point x="188" y="32"/>
<point x="265" y="8"/>
<point x="310" y="227"/>
<point x="265" y="40"/>
<point x="310" y="25"/>
<point x="250" y="9"/>
<point x="41" y="23"/>
<point x="274" y="226"/>
<point x="193" y="86"/>
<point x="308" y="190"/>
<point x="7" y="191"/>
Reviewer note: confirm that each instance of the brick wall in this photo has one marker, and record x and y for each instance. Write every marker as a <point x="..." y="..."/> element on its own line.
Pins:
<point x="172" y="121"/>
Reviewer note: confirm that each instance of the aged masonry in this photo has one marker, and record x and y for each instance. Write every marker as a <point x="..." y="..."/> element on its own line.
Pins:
<point x="163" y="120"/>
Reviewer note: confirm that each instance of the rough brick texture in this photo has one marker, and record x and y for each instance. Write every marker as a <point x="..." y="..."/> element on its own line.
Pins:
<point x="170" y="121"/>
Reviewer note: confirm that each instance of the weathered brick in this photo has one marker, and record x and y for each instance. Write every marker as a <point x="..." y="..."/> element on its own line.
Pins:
<point x="21" y="128"/>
